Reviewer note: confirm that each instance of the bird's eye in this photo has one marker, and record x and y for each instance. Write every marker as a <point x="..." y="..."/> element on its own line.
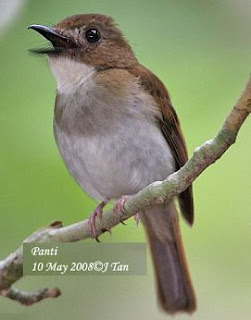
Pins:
<point x="92" y="35"/>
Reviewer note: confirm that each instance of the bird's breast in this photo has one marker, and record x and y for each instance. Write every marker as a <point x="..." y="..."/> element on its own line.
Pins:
<point x="109" y="138"/>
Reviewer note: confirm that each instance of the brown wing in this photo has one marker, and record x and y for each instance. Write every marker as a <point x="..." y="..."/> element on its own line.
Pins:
<point x="169" y="124"/>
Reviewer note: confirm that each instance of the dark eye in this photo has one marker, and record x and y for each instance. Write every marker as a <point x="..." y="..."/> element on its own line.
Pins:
<point x="92" y="35"/>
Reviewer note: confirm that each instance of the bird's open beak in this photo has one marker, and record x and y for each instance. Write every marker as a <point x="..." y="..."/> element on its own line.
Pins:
<point x="59" y="42"/>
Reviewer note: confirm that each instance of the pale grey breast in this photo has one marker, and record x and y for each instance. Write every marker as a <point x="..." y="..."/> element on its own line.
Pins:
<point x="111" y="144"/>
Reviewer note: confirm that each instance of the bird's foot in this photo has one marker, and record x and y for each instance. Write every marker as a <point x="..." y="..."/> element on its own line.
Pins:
<point x="120" y="208"/>
<point x="137" y="219"/>
<point x="98" y="212"/>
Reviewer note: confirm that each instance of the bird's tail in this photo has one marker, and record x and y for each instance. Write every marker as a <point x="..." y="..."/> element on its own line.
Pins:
<point x="175" y="289"/>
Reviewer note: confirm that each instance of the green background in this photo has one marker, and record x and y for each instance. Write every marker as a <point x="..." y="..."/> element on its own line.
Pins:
<point x="201" y="50"/>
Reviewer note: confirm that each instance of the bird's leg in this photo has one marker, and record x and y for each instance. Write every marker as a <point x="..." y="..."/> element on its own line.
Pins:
<point x="98" y="212"/>
<point x="120" y="207"/>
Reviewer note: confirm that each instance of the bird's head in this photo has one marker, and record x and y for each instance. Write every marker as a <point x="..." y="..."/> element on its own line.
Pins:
<point x="93" y="39"/>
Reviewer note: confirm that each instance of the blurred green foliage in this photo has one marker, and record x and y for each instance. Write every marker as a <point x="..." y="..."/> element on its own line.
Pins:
<point x="201" y="50"/>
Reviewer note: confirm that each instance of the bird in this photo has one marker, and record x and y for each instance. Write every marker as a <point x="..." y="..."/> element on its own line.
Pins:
<point x="117" y="131"/>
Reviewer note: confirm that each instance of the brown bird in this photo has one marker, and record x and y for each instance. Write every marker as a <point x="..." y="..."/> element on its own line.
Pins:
<point x="117" y="132"/>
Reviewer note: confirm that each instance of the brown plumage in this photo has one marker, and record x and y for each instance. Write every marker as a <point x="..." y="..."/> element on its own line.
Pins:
<point x="170" y="126"/>
<point x="117" y="131"/>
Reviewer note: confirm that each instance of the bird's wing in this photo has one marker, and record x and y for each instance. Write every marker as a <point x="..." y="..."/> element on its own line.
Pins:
<point x="170" y="127"/>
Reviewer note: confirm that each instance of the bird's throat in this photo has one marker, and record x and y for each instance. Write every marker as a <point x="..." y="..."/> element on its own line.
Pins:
<point x="69" y="73"/>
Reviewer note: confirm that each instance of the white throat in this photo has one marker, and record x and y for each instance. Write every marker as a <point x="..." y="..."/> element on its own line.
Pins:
<point x="69" y="73"/>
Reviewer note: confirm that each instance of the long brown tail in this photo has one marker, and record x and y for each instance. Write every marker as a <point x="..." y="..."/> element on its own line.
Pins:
<point x="175" y="289"/>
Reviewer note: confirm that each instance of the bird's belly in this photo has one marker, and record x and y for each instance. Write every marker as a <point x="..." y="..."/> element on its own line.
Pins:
<point x="119" y="163"/>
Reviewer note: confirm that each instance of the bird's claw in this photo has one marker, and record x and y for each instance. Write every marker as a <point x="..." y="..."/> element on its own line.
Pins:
<point x="137" y="219"/>
<point x="98" y="212"/>
<point x="107" y="230"/>
<point x="120" y="208"/>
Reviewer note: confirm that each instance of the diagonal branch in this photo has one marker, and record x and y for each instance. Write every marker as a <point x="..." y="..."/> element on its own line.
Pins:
<point x="11" y="269"/>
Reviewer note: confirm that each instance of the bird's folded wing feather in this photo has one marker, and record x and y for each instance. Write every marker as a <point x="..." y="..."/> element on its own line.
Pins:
<point x="170" y="127"/>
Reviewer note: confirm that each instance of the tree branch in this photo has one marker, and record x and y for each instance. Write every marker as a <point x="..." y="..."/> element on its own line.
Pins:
<point x="11" y="269"/>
